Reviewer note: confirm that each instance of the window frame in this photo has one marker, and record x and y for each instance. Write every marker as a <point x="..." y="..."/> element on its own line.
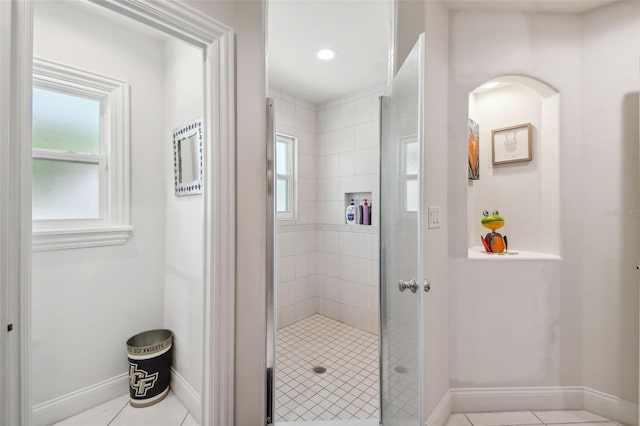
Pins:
<point x="291" y="177"/>
<point x="113" y="225"/>
<point x="407" y="177"/>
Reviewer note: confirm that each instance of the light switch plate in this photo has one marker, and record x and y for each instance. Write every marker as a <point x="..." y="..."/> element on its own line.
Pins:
<point x="433" y="215"/>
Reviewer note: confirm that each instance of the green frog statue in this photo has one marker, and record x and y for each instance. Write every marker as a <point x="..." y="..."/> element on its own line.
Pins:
<point x="493" y="242"/>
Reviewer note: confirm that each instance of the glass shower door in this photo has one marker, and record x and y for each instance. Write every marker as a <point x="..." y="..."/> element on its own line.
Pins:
<point x="401" y="352"/>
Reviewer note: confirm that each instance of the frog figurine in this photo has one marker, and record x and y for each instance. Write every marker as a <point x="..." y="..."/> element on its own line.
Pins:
<point x="493" y="242"/>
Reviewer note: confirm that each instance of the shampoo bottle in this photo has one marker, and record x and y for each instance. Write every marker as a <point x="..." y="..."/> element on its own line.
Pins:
<point x="366" y="216"/>
<point x="351" y="213"/>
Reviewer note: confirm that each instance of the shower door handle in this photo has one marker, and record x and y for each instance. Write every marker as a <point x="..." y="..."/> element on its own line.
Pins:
<point x="408" y="285"/>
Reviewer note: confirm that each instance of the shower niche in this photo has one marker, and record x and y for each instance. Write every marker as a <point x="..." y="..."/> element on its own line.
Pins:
<point x="514" y="174"/>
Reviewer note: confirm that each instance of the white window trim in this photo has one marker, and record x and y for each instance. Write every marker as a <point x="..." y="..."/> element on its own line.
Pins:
<point x="407" y="177"/>
<point x="291" y="177"/>
<point x="114" y="227"/>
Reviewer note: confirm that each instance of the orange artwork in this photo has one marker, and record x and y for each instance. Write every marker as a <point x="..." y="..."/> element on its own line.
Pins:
<point x="473" y="138"/>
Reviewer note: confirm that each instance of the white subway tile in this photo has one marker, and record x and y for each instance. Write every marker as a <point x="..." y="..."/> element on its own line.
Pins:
<point x="347" y="244"/>
<point x="363" y="162"/>
<point x="320" y="305"/>
<point x="332" y="242"/>
<point x="287" y="113"/>
<point x="347" y="114"/>
<point x="307" y="165"/>
<point x="347" y="166"/>
<point x="363" y="109"/>
<point x="364" y="136"/>
<point x="286" y="270"/>
<point x="347" y="139"/>
<point x="332" y="309"/>
<point x="332" y="118"/>
<point x="332" y="265"/>
<point x="348" y="184"/>
<point x="302" y="117"/>
<point x="287" y="316"/>
<point x="302" y="290"/>
<point x="286" y="244"/>
<point x="332" y="289"/>
<point x="302" y="265"/>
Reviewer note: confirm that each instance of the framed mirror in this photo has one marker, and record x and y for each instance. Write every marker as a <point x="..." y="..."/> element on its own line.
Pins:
<point x="188" y="159"/>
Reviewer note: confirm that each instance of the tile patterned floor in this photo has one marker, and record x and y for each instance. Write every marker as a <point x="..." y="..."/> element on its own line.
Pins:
<point x="118" y="412"/>
<point x="514" y="418"/>
<point x="349" y="387"/>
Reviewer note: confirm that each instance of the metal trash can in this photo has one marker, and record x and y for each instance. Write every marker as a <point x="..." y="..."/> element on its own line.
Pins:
<point x="149" y="356"/>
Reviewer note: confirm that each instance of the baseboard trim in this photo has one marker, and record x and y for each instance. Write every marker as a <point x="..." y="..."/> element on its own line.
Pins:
<point x="469" y="400"/>
<point x="610" y="406"/>
<point x="186" y="394"/>
<point x="65" y="406"/>
<point x="440" y="414"/>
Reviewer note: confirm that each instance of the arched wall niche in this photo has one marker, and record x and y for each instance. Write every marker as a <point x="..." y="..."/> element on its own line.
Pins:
<point x="526" y="193"/>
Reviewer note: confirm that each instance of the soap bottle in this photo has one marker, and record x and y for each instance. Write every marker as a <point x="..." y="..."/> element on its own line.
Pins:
<point x="351" y="213"/>
<point x="366" y="216"/>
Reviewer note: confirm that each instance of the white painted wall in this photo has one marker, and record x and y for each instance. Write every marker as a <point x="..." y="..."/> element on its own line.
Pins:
<point x="572" y="321"/>
<point x="183" y="228"/>
<point x="516" y="323"/>
<point x="249" y="25"/>
<point x="610" y="198"/>
<point x="87" y="302"/>
<point x="512" y="189"/>
<point x="435" y="191"/>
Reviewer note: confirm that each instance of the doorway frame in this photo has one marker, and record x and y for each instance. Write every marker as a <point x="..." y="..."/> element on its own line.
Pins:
<point x="16" y="59"/>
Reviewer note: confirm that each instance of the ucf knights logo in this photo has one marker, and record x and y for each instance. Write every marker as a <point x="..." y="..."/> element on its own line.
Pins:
<point x="140" y="380"/>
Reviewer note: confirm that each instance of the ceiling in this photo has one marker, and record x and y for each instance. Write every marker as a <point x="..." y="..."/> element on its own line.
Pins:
<point x="358" y="30"/>
<point x="555" y="6"/>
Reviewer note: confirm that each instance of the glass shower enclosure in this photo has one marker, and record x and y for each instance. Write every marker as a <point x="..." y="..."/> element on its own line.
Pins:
<point x="401" y="286"/>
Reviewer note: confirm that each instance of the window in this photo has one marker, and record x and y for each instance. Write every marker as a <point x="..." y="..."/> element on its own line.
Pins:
<point x="410" y="162"/>
<point x="80" y="146"/>
<point x="285" y="176"/>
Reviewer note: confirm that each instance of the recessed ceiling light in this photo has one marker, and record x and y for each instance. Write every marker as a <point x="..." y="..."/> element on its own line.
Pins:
<point x="490" y="85"/>
<point x="326" y="54"/>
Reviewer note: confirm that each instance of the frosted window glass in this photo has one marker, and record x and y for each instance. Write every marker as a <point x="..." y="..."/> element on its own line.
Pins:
<point x="281" y="158"/>
<point x="412" y="158"/>
<point x="65" y="190"/>
<point x="282" y="195"/>
<point x="65" y="122"/>
<point x="412" y="195"/>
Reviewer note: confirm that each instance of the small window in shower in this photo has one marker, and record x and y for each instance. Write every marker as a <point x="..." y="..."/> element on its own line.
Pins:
<point x="80" y="151"/>
<point x="285" y="176"/>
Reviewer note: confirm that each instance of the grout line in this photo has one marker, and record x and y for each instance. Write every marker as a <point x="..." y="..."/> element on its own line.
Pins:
<point x="118" y="413"/>
<point x="185" y="418"/>
<point x="468" y="419"/>
<point x="536" y="416"/>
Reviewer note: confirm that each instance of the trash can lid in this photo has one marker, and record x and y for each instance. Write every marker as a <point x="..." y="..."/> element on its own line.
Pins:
<point x="149" y="341"/>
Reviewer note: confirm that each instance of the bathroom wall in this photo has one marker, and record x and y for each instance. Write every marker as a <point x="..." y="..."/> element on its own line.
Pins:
<point x="184" y="227"/>
<point x="514" y="322"/>
<point x="563" y="322"/>
<point x="348" y="162"/>
<point x="608" y="170"/>
<point x="297" y="264"/>
<point x="512" y="189"/>
<point x="87" y="302"/>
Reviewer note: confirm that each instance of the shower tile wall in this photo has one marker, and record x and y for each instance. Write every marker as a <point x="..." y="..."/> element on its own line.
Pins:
<point x="297" y="278"/>
<point x="348" y="162"/>
<point x="324" y="265"/>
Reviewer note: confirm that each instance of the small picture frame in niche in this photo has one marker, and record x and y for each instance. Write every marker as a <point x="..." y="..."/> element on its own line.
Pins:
<point x="511" y="144"/>
<point x="188" y="158"/>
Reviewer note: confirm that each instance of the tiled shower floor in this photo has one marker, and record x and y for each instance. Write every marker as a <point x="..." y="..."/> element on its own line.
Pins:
<point x="349" y="387"/>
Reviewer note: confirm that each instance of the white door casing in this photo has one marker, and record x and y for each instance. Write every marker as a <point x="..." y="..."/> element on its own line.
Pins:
<point x="217" y="42"/>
